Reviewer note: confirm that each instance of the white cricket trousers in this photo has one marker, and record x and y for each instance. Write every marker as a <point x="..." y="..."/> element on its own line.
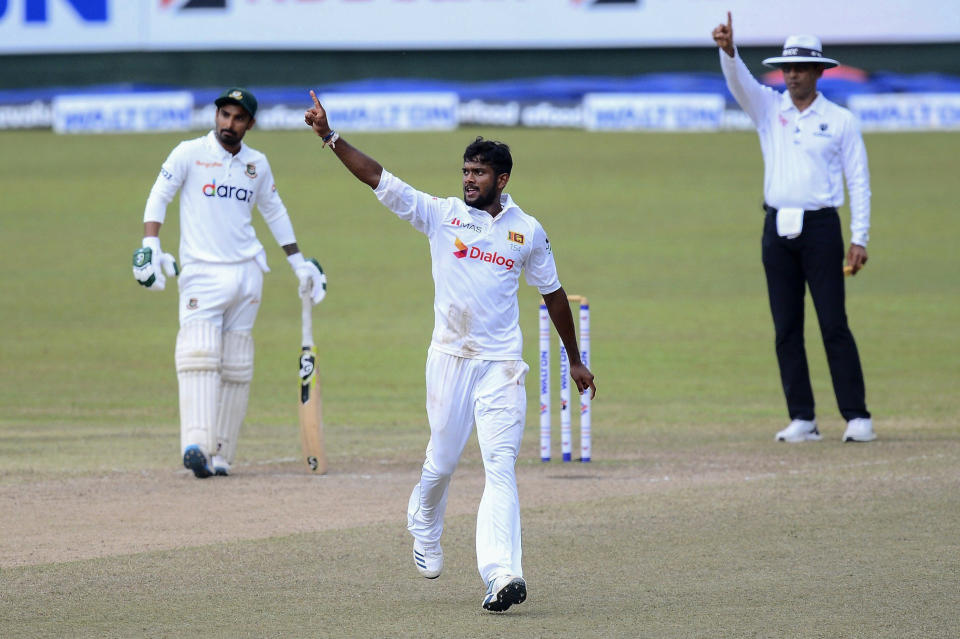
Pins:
<point x="460" y="393"/>
<point x="214" y="352"/>
<point x="226" y="295"/>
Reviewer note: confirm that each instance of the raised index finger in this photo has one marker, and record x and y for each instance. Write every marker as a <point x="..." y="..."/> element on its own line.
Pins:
<point x="729" y="21"/>
<point x="313" y="95"/>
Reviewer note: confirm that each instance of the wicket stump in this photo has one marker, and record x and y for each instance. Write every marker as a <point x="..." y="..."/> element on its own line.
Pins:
<point x="566" y="445"/>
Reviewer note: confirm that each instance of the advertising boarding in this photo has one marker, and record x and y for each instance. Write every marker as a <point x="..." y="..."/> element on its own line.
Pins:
<point x="38" y="26"/>
<point x="123" y="113"/>
<point x="64" y="26"/>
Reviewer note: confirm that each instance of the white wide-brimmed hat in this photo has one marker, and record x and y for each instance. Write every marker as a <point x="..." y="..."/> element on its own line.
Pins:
<point x="801" y="48"/>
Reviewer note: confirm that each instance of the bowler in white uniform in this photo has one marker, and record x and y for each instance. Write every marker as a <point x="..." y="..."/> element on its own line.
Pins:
<point x="220" y="179"/>
<point x="475" y="371"/>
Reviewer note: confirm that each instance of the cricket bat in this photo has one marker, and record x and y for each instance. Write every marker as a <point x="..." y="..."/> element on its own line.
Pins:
<point x="311" y="413"/>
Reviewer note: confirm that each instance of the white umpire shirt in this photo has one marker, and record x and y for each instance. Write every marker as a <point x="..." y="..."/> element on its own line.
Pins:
<point x="476" y="263"/>
<point x="805" y="155"/>
<point x="217" y="193"/>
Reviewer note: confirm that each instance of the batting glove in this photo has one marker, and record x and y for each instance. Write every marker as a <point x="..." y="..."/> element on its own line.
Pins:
<point x="150" y="263"/>
<point x="311" y="276"/>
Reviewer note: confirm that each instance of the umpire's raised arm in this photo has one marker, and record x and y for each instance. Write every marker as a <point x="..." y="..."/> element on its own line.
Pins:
<point x="723" y="36"/>
<point x="365" y="168"/>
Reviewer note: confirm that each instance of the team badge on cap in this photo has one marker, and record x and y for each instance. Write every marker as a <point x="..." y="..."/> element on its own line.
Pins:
<point x="241" y="96"/>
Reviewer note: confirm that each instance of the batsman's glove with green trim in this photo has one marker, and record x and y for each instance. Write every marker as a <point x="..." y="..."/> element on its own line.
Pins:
<point x="312" y="278"/>
<point x="150" y="263"/>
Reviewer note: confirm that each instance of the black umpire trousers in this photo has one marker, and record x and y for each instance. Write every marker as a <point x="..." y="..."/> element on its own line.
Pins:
<point x="815" y="258"/>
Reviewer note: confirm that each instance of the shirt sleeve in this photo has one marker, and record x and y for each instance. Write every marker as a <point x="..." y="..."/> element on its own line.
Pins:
<point x="420" y="209"/>
<point x="855" y="170"/>
<point x="172" y="174"/>
<point x="272" y="209"/>
<point x="541" y="269"/>
<point x="754" y="98"/>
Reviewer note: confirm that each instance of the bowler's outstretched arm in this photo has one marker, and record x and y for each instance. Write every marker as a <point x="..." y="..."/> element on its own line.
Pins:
<point x="365" y="168"/>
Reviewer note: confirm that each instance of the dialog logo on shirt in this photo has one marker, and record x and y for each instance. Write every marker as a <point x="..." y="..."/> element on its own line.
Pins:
<point x="474" y="253"/>
<point x="227" y="191"/>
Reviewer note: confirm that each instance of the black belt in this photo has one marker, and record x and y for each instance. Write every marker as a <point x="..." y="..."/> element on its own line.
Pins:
<point x="772" y="211"/>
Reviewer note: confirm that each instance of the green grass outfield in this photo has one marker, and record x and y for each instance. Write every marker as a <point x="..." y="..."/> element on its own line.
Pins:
<point x="662" y="233"/>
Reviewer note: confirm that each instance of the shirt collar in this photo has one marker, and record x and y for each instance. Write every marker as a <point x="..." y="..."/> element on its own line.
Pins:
<point x="506" y="204"/>
<point x="815" y="107"/>
<point x="214" y="145"/>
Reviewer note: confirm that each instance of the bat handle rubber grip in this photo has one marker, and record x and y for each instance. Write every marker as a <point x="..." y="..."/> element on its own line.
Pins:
<point x="307" y="319"/>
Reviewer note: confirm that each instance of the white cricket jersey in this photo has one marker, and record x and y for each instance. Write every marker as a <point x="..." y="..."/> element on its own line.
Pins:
<point x="805" y="155"/>
<point x="217" y="193"/>
<point x="477" y="261"/>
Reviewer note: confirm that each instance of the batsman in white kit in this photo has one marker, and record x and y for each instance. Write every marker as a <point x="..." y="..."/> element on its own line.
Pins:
<point x="220" y="179"/>
<point x="474" y="372"/>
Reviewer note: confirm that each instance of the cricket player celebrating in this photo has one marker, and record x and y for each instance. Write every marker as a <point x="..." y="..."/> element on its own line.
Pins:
<point x="219" y="179"/>
<point x="475" y="371"/>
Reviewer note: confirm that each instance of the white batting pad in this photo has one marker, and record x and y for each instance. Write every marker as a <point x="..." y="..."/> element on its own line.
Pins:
<point x="199" y="347"/>
<point x="235" y="375"/>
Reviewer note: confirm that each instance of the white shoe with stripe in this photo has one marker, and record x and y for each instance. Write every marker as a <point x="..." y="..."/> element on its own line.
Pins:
<point x="503" y="592"/>
<point x="429" y="559"/>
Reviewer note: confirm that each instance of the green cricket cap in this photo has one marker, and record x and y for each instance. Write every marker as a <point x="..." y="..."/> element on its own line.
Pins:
<point x="238" y="95"/>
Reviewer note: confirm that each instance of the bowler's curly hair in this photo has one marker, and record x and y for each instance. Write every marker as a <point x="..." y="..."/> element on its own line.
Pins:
<point x="495" y="154"/>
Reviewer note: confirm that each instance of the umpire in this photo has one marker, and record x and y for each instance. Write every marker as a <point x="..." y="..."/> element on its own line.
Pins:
<point x="809" y="144"/>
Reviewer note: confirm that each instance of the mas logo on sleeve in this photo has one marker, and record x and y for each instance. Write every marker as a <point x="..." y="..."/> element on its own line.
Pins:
<point x="466" y="225"/>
